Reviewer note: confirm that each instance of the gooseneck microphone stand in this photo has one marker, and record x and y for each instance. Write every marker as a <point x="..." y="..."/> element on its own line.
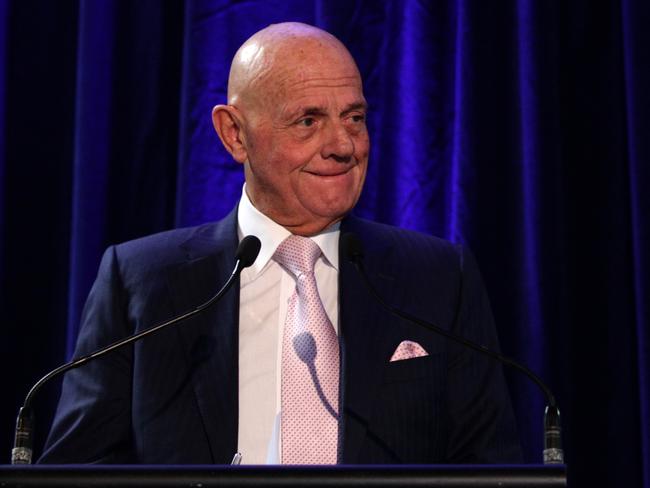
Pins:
<point x="553" y="453"/>
<point x="247" y="252"/>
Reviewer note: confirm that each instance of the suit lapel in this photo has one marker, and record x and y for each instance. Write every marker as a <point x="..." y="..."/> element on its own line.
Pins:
<point x="210" y="339"/>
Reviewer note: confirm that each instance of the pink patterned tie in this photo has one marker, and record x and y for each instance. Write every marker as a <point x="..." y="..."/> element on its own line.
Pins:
<point x="310" y="364"/>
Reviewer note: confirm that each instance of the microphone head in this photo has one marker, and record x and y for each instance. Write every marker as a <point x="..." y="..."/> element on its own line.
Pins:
<point x="247" y="251"/>
<point x="352" y="247"/>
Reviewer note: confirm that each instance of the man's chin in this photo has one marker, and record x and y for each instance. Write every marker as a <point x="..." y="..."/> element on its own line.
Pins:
<point x="334" y="212"/>
<point x="315" y="224"/>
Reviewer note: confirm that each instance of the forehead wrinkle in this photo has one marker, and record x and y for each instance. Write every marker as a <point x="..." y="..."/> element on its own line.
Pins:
<point x="281" y="82"/>
<point x="334" y="82"/>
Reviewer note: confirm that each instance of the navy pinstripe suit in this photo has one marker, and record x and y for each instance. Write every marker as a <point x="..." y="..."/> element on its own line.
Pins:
<point x="173" y="397"/>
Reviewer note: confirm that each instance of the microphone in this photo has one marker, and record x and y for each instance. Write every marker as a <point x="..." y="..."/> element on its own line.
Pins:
<point x="246" y="253"/>
<point x="553" y="452"/>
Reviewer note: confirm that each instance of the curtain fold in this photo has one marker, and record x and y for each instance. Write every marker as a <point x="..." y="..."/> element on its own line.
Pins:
<point x="4" y="22"/>
<point x="126" y="131"/>
<point x="92" y="147"/>
<point x="518" y="128"/>
<point x="530" y="90"/>
<point x="637" y="75"/>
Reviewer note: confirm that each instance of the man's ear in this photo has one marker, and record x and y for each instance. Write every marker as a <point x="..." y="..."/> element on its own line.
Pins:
<point x="227" y="122"/>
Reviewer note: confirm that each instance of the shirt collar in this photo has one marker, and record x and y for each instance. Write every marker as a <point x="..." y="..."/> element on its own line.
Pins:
<point x="271" y="234"/>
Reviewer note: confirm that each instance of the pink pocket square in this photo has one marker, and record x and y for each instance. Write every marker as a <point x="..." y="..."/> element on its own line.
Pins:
<point x="408" y="350"/>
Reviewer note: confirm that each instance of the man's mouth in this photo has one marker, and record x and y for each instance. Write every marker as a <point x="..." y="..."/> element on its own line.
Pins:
<point x="331" y="173"/>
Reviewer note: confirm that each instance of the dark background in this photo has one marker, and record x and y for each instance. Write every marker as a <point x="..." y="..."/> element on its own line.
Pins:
<point x="520" y="128"/>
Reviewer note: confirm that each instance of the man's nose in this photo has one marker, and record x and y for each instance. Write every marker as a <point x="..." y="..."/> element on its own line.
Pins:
<point x="339" y="144"/>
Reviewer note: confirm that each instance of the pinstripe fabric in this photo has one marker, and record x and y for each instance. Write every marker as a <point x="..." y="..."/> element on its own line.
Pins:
<point x="450" y="406"/>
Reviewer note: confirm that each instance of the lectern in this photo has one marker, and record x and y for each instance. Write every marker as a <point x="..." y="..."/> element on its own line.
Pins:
<point x="456" y="476"/>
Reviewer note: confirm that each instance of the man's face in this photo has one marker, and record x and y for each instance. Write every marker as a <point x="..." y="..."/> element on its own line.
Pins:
<point x="306" y="143"/>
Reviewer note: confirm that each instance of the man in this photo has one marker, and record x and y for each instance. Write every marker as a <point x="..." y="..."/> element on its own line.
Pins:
<point x="244" y="376"/>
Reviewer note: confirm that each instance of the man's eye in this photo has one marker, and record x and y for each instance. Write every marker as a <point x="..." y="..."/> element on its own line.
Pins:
<point x="358" y="118"/>
<point x="307" y="122"/>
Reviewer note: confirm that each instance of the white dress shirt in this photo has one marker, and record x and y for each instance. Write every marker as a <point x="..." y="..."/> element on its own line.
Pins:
<point x="264" y="292"/>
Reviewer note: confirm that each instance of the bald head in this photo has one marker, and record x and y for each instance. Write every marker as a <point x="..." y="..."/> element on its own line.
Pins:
<point x="272" y="54"/>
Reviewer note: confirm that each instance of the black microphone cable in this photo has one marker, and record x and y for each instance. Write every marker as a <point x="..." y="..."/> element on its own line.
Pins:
<point x="553" y="452"/>
<point x="247" y="252"/>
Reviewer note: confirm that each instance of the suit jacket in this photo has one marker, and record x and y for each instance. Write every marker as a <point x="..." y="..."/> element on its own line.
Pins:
<point x="173" y="397"/>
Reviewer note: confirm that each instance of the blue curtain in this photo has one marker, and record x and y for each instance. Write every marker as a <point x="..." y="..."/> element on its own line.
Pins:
<point x="518" y="127"/>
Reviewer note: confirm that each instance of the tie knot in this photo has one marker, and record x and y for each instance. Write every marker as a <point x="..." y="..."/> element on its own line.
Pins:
<point x="298" y="254"/>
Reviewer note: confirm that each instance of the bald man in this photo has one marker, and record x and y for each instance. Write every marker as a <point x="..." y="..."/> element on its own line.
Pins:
<point x="296" y="120"/>
<point x="220" y="384"/>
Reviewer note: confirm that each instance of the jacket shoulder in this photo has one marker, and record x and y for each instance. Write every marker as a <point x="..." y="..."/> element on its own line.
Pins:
<point x="176" y="245"/>
<point x="404" y="242"/>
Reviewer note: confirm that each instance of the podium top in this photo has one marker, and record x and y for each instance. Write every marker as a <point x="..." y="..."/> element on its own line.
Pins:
<point x="452" y="476"/>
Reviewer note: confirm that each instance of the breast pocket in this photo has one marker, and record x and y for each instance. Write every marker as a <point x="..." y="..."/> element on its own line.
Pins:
<point x="410" y="409"/>
<point x="414" y="386"/>
<point x="413" y="369"/>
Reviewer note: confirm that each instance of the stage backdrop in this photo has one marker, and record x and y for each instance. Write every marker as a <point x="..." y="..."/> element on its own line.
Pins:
<point x="521" y="128"/>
